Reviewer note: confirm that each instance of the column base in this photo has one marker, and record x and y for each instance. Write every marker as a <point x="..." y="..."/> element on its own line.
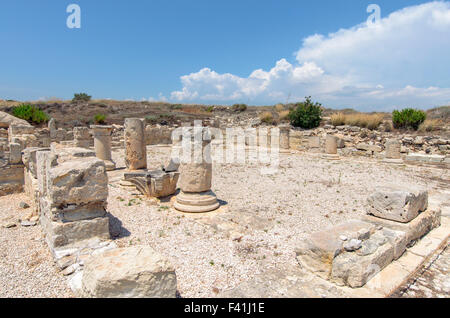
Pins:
<point x="331" y="156"/>
<point x="393" y="161"/>
<point x="110" y="165"/>
<point x="196" y="202"/>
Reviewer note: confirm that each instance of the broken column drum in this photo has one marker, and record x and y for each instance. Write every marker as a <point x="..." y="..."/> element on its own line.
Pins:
<point x="196" y="175"/>
<point x="102" y="145"/>
<point x="135" y="146"/>
<point x="284" y="138"/>
<point x="393" y="151"/>
<point x="331" y="147"/>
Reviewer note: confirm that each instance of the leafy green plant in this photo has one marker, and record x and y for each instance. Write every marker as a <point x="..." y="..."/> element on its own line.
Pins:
<point x="408" y="118"/>
<point x="30" y="113"/>
<point x="239" y="107"/>
<point x="306" y="115"/>
<point x="81" y="97"/>
<point x="100" y="119"/>
<point x="209" y="109"/>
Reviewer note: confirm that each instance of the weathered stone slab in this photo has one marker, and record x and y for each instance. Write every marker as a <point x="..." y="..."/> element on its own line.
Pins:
<point x="316" y="253"/>
<point x="414" y="230"/>
<point x="134" y="272"/>
<point x="401" y="206"/>
<point x="77" y="181"/>
<point x="7" y="120"/>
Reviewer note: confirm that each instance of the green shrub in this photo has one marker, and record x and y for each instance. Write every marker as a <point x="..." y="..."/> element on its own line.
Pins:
<point x="81" y="97"/>
<point x="239" y="107"/>
<point x="306" y="115"/>
<point x="30" y="113"/>
<point x="209" y="109"/>
<point x="176" y="106"/>
<point x="100" y="119"/>
<point x="408" y="118"/>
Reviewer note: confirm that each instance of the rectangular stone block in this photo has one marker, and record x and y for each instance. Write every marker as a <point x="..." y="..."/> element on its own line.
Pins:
<point x="77" y="181"/>
<point x="401" y="206"/>
<point x="414" y="230"/>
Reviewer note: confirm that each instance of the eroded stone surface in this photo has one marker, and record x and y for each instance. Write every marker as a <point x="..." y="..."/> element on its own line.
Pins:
<point x="401" y="206"/>
<point x="134" y="272"/>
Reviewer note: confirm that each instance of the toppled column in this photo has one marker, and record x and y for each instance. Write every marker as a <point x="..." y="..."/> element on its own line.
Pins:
<point x="393" y="152"/>
<point x="81" y="137"/>
<point x="102" y="145"/>
<point x="135" y="144"/>
<point x="196" y="173"/>
<point x="284" y="139"/>
<point x="73" y="185"/>
<point x="331" y="148"/>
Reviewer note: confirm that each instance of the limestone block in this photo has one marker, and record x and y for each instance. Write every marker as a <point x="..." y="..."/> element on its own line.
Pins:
<point x="351" y="269"/>
<point x="314" y="142"/>
<point x="401" y="206"/>
<point x="133" y="272"/>
<point x="77" y="181"/>
<point x="7" y="120"/>
<point x="15" y="153"/>
<point x="316" y="253"/>
<point x="415" y="229"/>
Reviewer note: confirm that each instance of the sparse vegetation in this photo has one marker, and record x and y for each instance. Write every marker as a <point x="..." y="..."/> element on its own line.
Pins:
<point x="100" y="119"/>
<point x="306" y="115"/>
<point x="370" y="121"/>
<point x="266" y="117"/>
<point x="30" y="113"/>
<point x="81" y="97"/>
<point x="284" y="115"/>
<point x="431" y="125"/>
<point x="239" y="107"/>
<point x="408" y="118"/>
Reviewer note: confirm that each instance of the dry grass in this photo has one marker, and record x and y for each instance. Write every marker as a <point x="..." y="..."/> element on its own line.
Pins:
<point x="284" y="115"/>
<point x="279" y="108"/>
<point x="266" y="117"/>
<point x="370" y="121"/>
<point x="431" y="125"/>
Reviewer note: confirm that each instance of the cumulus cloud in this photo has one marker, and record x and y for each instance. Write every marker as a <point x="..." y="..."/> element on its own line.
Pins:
<point x="402" y="60"/>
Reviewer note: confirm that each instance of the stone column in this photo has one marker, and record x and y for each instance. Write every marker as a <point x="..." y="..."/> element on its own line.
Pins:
<point x="392" y="152"/>
<point x="284" y="139"/>
<point x="52" y="128"/>
<point x="102" y="145"/>
<point x="196" y="173"/>
<point x="135" y="145"/>
<point x="331" y="148"/>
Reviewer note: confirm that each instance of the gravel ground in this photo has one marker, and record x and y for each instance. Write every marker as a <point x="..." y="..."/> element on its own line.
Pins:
<point x="26" y="265"/>
<point x="257" y="227"/>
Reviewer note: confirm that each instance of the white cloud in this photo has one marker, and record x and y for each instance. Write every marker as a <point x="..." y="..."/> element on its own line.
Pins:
<point x="401" y="60"/>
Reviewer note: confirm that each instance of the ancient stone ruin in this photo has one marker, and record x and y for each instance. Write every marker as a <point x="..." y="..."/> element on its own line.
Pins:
<point x="351" y="253"/>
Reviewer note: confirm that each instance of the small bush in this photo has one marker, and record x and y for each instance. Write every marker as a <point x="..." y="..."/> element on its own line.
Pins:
<point x="408" y="118"/>
<point x="239" y="107"/>
<point x="81" y="97"/>
<point x="100" y="119"/>
<point x="306" y="115"/>
<point x="209" y="109"/>
<point x="30" y="113"/>
<point x="266" y="117"/>
<point x="176" y="106"/>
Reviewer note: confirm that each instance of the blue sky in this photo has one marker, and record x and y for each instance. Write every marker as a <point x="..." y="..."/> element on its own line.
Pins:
<point x="223" y="52"/>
